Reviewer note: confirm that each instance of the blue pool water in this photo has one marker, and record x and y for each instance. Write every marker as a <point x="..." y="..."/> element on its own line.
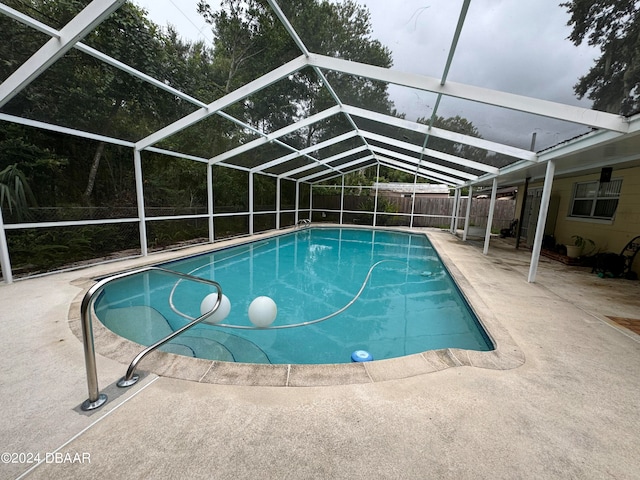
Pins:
<point x="409" y="302"/>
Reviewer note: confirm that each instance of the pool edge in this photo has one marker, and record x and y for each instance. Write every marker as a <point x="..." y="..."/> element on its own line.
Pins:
<point x="506" y="355"/>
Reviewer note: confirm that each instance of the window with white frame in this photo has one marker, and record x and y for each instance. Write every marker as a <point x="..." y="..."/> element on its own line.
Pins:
<point x="595" y="200"/>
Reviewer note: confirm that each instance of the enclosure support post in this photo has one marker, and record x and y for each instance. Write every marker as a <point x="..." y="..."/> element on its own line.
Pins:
<point x="310" y="202"/>
<point x="522" y="212"/>
<point x="297" y="202"/>
<point x="137" y="166"/>
<point x="250" y="203"/>
<point x="454" y="210"/>
<point x="413" y="196"/>
<point x="210" y="202"/>
<point x="342" y="201"/>
<point x="542" y="220"/>
<point x="458" y="207"/>
<point x="467" y="215"/>
<point x="5" y="262"/>
<point x="278" y="203"/>
<point x="492" y="207"/>
<point x="375" y="200"/>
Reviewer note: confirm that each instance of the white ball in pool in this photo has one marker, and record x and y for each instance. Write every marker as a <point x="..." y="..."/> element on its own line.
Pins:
<point x="262" y="312"/>
<point x="221" y="313"/>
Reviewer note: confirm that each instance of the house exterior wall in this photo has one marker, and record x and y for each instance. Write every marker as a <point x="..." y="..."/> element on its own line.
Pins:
<point x="608" y="236"/>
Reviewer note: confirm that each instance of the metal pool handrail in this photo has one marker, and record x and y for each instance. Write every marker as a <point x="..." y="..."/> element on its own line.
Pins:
<point x="97" y="399"/>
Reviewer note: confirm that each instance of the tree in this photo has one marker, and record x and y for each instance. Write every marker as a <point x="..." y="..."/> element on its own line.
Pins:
<point x="614" y="26"/>
<point x="456" y="124"/>
<point x="82" y="92"/>
<point x="250" y="41"/>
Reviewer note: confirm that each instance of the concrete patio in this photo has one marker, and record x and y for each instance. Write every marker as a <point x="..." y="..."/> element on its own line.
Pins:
<point x="570" y="410"/>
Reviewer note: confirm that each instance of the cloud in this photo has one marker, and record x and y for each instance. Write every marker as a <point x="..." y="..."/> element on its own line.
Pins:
<point x="514" y="46"/>
<point x="518" y="47"/>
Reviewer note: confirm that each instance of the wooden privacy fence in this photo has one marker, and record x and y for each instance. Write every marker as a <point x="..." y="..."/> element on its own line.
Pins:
<point x="428" y="212"/>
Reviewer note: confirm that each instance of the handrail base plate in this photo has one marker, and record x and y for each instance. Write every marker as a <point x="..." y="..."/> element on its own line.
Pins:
<point x="88" y="405"/>
<point x="124" y="383"/>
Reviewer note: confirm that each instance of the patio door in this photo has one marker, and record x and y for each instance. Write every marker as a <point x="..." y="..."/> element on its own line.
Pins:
<point x="531" y="212"/>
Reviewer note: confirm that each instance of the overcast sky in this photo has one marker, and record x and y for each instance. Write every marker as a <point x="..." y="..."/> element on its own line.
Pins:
<point x="515" y="46"/>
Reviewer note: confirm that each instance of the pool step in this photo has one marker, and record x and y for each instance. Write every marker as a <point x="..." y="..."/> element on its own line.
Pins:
<point x="145" y="325"/>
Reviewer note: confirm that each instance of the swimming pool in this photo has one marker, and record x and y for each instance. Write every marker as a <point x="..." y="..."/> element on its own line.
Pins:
<point x="399" y="300"/>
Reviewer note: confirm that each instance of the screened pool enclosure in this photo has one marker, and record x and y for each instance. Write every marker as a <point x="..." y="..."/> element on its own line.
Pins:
<point x="284" y="140"/>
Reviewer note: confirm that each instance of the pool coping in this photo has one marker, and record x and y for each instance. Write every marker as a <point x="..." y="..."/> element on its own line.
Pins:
<point x="506" y="355"/>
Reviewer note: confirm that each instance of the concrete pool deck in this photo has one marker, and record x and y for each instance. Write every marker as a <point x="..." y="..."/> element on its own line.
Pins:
<point x="571" y="409"/>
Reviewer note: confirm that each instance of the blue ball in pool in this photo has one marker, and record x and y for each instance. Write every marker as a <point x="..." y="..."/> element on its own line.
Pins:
<point x="361" y="356"/>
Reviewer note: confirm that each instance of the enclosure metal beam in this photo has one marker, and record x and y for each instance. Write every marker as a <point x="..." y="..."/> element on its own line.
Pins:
<point x="297" y="216"/>
<point x="307" y="151"/>
<point x="353" y="163"/>
<point x="431" y="153"/>
<point x="419" y="171"/>
<point x="327" y="160"/>
<point x="67" y="131"/>
<point x="295" y="152"/>
<point x="452" y="49"/>
<point x="458" y="206"/>
<point x="454" y="42"/>
<point x="569" y="113"/>
<point x="5" y="262"/>
<point x="413" y="193"/>
<point x="467" y="215"/>
<point x="375" y="200"/>
<point x="492" y="207"/>
<point x="278" y="193"/>
<point x="342" y="201"/>
<point x="277" y="134"/>
<point x="310" y="202"/>
<point x="142" y="224"/>
<point x="441" y="133"/>
<point x="251" y="203"/>
<point x="171" y="153"/>
<point x="454" y="213"/>
<point x="542" y="220"/>
<point x="428" y="174"/>
<point x="412" y="161"/>
<point x="26" y="20"/>
<point x="288" y="27"/>
<point x="99" y="55"/>
<point x="250" y="88"/>
<point x="298" y="41"/>
<point x="409" y="161"/>
<point x="79" y="26"/>
<point x="210" y="202"/>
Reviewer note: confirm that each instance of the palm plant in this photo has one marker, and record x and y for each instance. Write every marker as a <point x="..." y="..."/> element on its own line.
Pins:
<point x="15" y="194"/>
